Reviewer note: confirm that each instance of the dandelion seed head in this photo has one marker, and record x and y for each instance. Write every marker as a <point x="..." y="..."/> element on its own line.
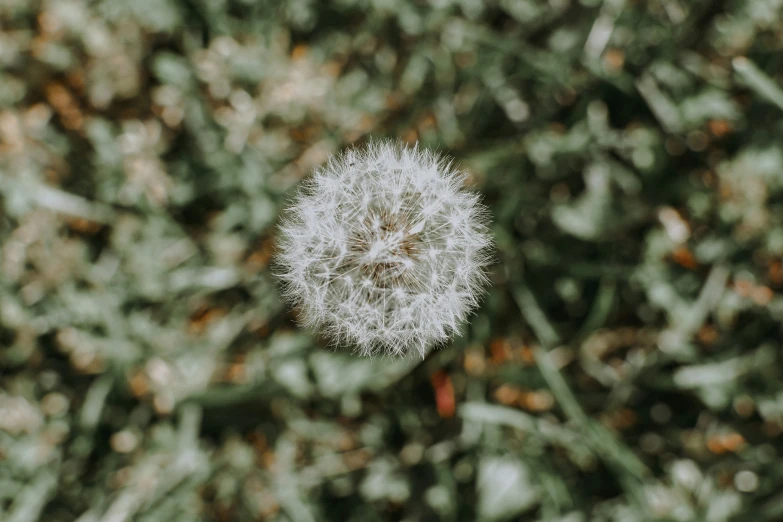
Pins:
<point x="385" y="250"/>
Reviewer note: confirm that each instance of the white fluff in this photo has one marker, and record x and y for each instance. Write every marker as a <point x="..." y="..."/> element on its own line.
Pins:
<point x="383" y="249"/>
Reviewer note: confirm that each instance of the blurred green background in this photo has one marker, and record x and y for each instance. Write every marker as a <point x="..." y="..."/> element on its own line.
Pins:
<point x="625" y="366"/>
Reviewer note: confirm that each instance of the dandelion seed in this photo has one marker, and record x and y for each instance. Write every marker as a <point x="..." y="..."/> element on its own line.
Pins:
<point x="383" y="249"/>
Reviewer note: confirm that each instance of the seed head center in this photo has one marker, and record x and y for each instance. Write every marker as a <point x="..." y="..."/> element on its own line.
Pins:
<point x="386" y="249"/>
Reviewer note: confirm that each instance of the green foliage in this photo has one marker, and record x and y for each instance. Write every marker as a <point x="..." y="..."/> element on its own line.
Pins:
<point x="626" y="365"/>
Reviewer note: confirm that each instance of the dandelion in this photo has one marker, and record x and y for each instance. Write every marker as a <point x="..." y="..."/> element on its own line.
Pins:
<point x="384" y="249"/>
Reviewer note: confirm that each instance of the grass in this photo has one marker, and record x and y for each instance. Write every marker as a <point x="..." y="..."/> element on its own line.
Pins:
<point x="625" y="366"/>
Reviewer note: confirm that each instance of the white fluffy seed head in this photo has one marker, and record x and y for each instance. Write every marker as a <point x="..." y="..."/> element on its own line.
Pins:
<point x="383" y="249"/>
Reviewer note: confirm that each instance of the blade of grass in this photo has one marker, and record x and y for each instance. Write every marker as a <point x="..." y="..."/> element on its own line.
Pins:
<point x="30" y="502"/>
<point x="602" y="305"/>
<point x="631" y="469"/>
<point x="758" y="81"/>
